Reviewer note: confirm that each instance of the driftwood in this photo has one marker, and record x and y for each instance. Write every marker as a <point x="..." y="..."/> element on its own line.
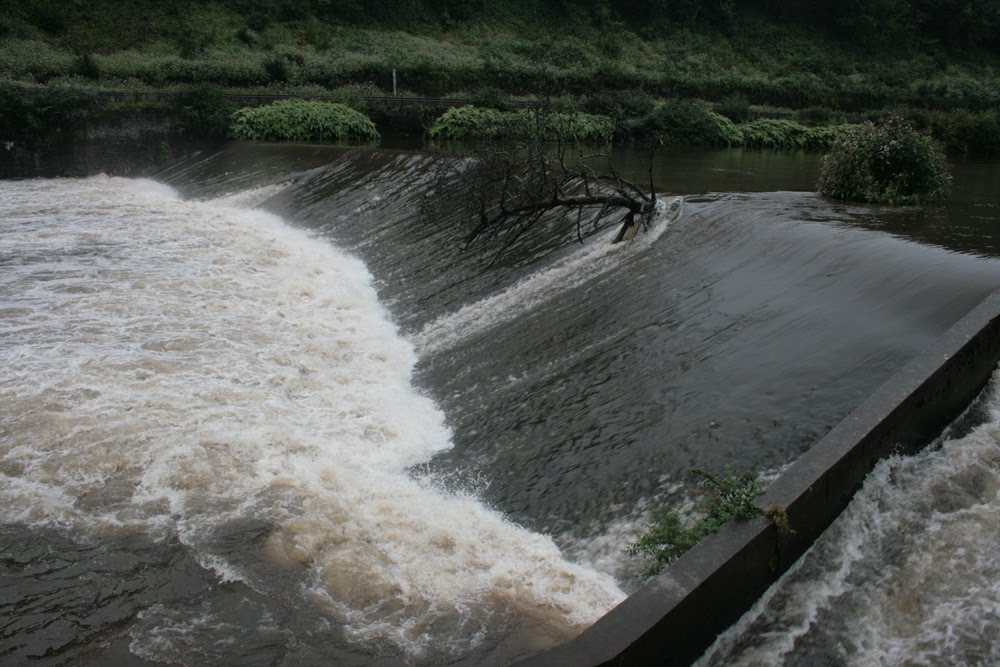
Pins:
<point x="512" y="189"/>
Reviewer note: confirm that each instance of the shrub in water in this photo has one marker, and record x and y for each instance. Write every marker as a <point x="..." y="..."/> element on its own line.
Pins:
<point x="889" y="162"/>
<point x="299" y="120"/>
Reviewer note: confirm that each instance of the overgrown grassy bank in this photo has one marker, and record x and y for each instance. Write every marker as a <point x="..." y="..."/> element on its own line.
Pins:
<point x="603" y="57"/>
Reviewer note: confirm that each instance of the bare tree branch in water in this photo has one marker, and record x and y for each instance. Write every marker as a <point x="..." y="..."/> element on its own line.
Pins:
<point x="512" y="189"/>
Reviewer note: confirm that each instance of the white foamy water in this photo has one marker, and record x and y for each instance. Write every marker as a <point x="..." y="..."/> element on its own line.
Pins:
<point x="909" y="574"/>
<point x="171" y="366"/>
<point x="597" y="257"/>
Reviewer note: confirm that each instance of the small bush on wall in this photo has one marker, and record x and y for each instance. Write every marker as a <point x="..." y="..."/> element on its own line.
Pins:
<point x="478" y="123"/>
<point x="298" y="120"/>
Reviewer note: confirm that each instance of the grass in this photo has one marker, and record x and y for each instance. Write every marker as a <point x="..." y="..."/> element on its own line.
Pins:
<point x="493" y="51"/>
<point x="795" y="69"/>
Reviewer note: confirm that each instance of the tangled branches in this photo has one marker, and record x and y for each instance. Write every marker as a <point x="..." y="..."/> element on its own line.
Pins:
<point x="511" y="190"/>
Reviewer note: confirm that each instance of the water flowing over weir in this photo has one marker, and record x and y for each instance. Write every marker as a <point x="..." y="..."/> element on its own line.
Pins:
<point x="908" y="574"/>
<point x="202" y="372"/>
<point x="225" y="438"/>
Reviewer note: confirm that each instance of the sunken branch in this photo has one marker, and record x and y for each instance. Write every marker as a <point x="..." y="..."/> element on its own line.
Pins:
<point x="512" y="190"/>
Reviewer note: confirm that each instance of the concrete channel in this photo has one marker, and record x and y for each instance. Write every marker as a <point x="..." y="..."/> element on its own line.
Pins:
<point x="677" y="615"/>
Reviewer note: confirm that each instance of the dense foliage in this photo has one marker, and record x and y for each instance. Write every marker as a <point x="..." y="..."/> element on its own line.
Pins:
<point x="936" y="62"/>
<point x="729" y="496"/>
<point x="28" y="117"/>
<point x="687" y="122"/>
<point x="789" y="135"/>
<point x="959" y="23"/>
<point x="680" y="122"/>
<point x="475" y="123"/>
<point x="888" y="162"/>
<point x="298" y="120"/>
<point x="712" y="50"/>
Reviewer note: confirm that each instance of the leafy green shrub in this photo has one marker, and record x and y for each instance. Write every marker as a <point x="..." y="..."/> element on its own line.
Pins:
<point x="889" y="162"/>
<point x="788" y="135"/>
<point x="686" y="122"/>
<point x="962" y="131"/>
<point x="476" y="123"/>
<point x="299" y="120"/>
<point x="730" y="496"/>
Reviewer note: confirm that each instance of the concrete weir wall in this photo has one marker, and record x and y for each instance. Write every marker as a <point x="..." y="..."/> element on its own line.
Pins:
<point x="674" y="617"/>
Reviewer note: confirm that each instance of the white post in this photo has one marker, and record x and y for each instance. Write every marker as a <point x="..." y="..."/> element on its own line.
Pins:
<point x="394" y="82"/>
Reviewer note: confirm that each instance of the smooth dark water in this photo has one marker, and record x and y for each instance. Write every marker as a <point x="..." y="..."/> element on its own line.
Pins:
<point x="579" y="384"/>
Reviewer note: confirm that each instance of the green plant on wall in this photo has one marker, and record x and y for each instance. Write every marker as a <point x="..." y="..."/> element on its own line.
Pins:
<point x="729" y="496"/>
<point x="299" y="120"/>
<point x="481" y="123"/>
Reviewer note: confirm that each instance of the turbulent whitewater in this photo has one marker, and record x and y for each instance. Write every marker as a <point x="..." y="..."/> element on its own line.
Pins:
<point x="177" y="369"/>
<point x="274" y="416"/>
<point x="909" y="574"/>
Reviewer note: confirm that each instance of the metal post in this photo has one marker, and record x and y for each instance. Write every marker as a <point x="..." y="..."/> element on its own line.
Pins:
<point x="394" y="82"/>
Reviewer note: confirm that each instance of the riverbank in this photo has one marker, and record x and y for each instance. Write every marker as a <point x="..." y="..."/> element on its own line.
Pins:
<point x="34" y="116"/>
<point x="605" y="58"/>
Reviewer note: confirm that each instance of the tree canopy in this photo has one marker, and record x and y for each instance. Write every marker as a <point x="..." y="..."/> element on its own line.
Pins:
<point x="960" y="24"/>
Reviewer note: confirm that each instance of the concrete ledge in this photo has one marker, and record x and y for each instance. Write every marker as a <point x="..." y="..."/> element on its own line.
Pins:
<point x="674" y="617"/>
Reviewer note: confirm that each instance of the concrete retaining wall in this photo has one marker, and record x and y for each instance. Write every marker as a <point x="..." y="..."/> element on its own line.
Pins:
<point x="674" y="617"/>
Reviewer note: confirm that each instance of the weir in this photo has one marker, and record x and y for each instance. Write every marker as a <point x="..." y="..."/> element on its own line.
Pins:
<point x="674" y="618"/>
<point x="452" y="476"/>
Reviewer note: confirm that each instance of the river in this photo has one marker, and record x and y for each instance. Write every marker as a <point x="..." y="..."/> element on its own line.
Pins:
<point x="258" y="410"/>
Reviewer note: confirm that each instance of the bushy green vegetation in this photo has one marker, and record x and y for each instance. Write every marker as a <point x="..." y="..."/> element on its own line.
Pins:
<point x="28" y="117"/>
<point x="687" y="122"/>
<point x="681" y="122"/>
<point x="789" y="135"/>
<point x="614" y="58"/>
<point x="886" y="162"/>
<point x="32" y="113"/>
<point x="475" y="123"/>
<point x="958" y="130"/>
<point x="299" y="120"/>
<point x="688" y="50"/>
<point x="729" y="496"/>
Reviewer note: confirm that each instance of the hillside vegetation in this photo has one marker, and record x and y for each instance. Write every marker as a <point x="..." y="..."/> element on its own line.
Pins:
<point x="936" y="62"/>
